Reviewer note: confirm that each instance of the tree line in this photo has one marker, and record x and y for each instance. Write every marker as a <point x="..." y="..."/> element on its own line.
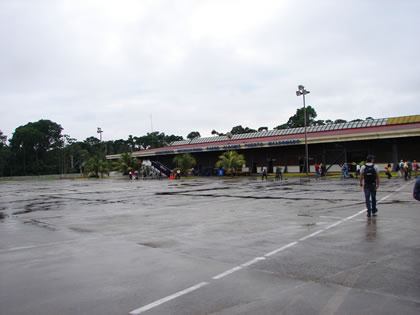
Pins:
<point x="40" y="148"/>
<point x="295" y="121"/>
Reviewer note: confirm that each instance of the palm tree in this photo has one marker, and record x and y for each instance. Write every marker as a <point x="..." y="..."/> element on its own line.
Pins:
<point x="126" y="164"/>
<point x="97" y="166"/>
<point x="230" y="160"/>
<point x="185" y="162"/>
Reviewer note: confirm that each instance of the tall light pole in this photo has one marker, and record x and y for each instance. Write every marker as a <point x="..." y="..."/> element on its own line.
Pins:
<point x="99" y="130"/>
<point x="301" y="91"/>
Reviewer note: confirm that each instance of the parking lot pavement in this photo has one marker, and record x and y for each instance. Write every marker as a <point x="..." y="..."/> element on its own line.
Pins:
<point x="207" y="246"/>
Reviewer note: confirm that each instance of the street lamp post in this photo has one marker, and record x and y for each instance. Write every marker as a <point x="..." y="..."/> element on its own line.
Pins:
<point x="301" y="91"/>
<point x="99" y="130"/>
<point x="100" y="133"/>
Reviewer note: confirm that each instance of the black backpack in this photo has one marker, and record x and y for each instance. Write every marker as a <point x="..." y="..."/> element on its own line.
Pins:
<point x="369" y="174"/>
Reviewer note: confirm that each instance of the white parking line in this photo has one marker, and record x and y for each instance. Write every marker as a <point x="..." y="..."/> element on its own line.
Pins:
<point x="251" y="262"/>
<point x="334" y="224"/>
<point x="280" y="249"/>
<point x="311" y="235"/>
<point x="228" y="272"/>
<point x="168" y="298"/>
<point x="13" y="249"/>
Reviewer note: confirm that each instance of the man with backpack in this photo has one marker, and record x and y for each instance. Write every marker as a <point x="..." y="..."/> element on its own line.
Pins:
<point x="369" y="174"/>
<point x="416" y="190"/>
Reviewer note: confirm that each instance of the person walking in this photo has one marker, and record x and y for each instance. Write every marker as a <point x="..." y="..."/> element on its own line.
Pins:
<point x="317" y="174"/>
<point x="416" y="168"/>
<point x="369" y="180"/>
<point x="264" y="174"/>
<point x="405" y="168"/>
<point x="346" y="170"/>
<point x="357" y="170"/>
<point x="410" y="168"/>
<point x="342" y="171"/>
<point x="323" y="169"/>
<point x="400" y="168"/>
<point x="278" y="174"/>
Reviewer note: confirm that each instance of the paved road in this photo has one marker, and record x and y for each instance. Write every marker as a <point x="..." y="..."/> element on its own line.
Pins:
<point x="207" y="246"/>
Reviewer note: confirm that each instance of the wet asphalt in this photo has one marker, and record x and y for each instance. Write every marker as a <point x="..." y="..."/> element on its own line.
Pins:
<point x="207" y="246"/>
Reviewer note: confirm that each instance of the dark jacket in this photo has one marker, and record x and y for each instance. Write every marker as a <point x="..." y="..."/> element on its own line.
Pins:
<point x="416" y="190"/>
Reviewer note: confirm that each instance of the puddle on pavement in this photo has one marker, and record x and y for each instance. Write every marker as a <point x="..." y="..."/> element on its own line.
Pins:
<point x="192" y="194"/>
<point x="161" y="244"/>
<point x="41" y="224"/>
<point x="395" y="201"/>
<point x="22" y="212"/>
<point x="35" y="206"/>
<point x="163" y="193"/>
<point x="82" y="230"/>
<point x="309" y="224"/>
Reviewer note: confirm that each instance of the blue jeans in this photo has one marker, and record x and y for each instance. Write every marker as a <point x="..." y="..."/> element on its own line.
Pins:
<point x="370" y="192"/>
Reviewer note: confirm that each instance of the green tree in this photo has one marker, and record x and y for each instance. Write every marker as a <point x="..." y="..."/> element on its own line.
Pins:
<point x="298" y="119"/>
<point x="284" y="126"/>
<point x="214" y="132"/>
<point x="92" y="141"/>
<point x="126" y="163"/>
<point x="239" y="130"/>
<point x="173" y="138"/>
<point x="185" y="162"/>
<point x="131" y="141"/>
<point x="318" y="122"/>
<point x="97" y="166"/>
<point x="4" y="155"/>
<point x="3" y="139"/>
<point x="94" y="146"/>
<point x="193" y="135"/>
<point x="339" y="121"/>
<point x="35" y="148"/>
<point x="118" y="146"/>
<point x="155" y="140"/>
<point x="75" y="154"/>
<point x="230" y="160"/>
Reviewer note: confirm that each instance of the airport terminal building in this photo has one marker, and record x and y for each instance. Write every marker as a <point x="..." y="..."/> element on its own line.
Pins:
<point x="389" y="139"/>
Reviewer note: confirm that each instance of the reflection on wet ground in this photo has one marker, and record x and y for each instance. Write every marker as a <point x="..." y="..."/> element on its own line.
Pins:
<point x="295" y="246"/>
<point x="371" y="229"/>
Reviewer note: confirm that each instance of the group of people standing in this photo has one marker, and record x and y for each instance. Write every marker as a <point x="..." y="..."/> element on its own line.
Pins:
<point x="405" y="169"/>
<point x="320" y="170"/>
<point x="279" y="175"/>
<point x="345" y="171"/>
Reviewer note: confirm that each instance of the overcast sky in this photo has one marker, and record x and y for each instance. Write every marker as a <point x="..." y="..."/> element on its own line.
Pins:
<point x="192" y="65"/>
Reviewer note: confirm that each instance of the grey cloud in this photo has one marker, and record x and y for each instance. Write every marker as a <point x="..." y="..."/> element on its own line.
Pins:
<point x="94" y="64"/>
